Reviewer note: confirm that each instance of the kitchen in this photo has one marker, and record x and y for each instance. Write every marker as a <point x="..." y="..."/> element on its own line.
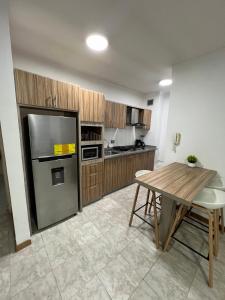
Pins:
<point x="101" y="170"/>
<point x="98" y="150"/>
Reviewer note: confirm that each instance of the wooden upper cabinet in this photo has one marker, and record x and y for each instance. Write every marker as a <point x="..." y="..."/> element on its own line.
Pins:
<point x="32" y="89"/>
<point x="91" y="106"/>
<point x="73" y="97"/>
<point x="115" y="115"/>
<point x="147" y="118"/>
<point x="60" y="95"/>
<point x="66" y="96"/>
<point x="120" y="115"/>
<point x="45" y="91"/>
<point x="26" y="87"/>
<point x="109" y="114"/>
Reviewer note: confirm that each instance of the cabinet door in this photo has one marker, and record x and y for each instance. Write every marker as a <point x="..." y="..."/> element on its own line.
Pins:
<point x="26" y="87"/>
<point x="66" y="96"/>
<point x="131" y="168"/>
<point x="84" y="105"/>
<point x="60" y="95"/>
<point x="112" y="175"/>
<point x="115" y="174"/>
<point x="92" y="182"/>
<point x="99" y="107"/>
<point x="73" y="97"/>
<point x="109" y="112"/>
<point x="45" y="91"/>
<point x="92" y="106"/>
<point x="115" y="115"/>
<point x="144" y="161"/>
<point x="147" y="118"/>
<point x="120" y="115"/>
<point x="109" y="175"/>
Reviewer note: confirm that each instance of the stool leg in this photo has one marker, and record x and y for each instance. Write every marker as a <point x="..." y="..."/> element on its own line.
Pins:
<point x="147" y="199"/>
<point x="150" y="206"/>
<point x="156" y="222"/>
<point x="177" y="218"/>
<point x="210" y="282"/>
<point x="134" y="204"/>
<point x="222" y="220"/>
<point x="215" y="225"/>
<point x="218" y="230"/>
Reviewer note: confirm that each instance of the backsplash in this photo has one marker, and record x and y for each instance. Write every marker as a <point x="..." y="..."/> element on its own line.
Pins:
<point x="126" y="136"/>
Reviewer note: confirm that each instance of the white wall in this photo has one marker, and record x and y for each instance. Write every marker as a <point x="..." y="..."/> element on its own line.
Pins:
<point x="157" y="134"/>
<point x="197" y="110"/>
<point x="165" y="102"/>
<point x="10" y="131"/>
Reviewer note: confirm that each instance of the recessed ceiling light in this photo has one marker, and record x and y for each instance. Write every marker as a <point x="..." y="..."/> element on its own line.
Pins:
<point x="165" y="82"/>
<point x="97" y="42"/>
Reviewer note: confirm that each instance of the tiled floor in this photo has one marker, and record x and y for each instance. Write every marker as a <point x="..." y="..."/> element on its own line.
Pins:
<point x="96" y="256"/>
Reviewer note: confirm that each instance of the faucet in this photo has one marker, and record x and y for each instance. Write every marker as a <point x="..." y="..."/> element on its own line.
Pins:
<point x="108" y="143"/>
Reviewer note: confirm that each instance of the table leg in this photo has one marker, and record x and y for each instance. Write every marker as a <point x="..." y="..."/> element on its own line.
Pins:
<point x="167" y="216"/>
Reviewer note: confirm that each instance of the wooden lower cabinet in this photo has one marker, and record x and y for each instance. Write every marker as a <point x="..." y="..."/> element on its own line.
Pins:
<point x="114" y="174"/>
<point x="120" y="171"/>
<point x="92" y="182"/>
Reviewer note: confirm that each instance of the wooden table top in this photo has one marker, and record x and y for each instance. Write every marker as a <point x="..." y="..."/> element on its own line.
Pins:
<point x="177" y="181"/>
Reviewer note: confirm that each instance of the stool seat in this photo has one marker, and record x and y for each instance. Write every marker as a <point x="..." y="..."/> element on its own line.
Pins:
<point x="142" y="172"/>
<point x="217" y="183"/>
<point x="210" y="198"/>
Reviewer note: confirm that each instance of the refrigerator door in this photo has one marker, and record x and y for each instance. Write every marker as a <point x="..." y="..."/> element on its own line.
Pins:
<point x="47" y="131"/>
<point x="56" y="189"/>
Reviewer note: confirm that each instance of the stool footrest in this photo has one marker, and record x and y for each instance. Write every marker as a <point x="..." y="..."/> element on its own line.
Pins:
<point x="186" y="245"/>
<point x="190" y="248"/>
<point x="206" y="231"/>
<point x="144" y="220"/>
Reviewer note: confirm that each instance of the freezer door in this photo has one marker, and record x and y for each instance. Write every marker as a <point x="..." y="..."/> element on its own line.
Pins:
<point x="56" y="190"/>
<point x="46" y="131"/>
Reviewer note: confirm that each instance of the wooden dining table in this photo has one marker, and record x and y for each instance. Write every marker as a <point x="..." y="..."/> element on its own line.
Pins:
<point x="175" y="182"/>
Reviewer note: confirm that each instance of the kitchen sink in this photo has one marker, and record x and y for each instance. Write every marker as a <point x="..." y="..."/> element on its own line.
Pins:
<point x="111" y="152"/>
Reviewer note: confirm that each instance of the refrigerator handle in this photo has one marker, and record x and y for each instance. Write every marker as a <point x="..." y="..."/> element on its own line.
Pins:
<point x="50" y="158"/>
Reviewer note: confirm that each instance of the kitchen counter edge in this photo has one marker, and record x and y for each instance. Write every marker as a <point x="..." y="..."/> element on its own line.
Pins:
<point x="126" y="153"/>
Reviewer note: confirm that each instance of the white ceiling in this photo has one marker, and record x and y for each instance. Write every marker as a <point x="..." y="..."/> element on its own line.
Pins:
<point x="146" y="37"/>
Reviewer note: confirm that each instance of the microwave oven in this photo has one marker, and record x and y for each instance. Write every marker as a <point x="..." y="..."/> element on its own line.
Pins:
<point x="90" y="152"/>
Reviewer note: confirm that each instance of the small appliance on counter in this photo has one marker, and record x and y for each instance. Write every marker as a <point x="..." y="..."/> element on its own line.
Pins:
<point x="53" y="149"/>
<point x="139" y="144"/>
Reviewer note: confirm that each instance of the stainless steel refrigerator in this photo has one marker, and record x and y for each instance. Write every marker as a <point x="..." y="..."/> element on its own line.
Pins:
<point x="53" y="143"/>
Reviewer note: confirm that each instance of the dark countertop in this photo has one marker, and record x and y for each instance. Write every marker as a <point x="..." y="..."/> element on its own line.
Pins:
<point x="130" y="152"/>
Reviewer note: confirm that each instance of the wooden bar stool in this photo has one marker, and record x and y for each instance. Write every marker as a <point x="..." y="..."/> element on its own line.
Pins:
<point x="152" y="203"/>
<point x="209" y="201"/>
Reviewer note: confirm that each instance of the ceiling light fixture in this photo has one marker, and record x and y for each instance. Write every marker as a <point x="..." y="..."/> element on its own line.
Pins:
<point x="97" y="42"/>
<point x="165" y="82"/>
